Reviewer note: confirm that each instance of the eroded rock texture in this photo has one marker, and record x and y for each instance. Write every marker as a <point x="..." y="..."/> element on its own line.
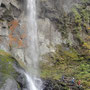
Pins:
<point x="63" y="31"/>
<point x="13" y="25"/>
<point x="11" y="74"/>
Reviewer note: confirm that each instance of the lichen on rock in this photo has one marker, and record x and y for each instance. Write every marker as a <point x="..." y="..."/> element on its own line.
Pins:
<point x="11" y="73"/>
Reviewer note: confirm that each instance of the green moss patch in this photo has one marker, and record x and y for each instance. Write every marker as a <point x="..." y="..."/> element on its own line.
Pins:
<point x="7" y="68"/>
<point x="7" y="63"/>
<point x="67" y="62"/>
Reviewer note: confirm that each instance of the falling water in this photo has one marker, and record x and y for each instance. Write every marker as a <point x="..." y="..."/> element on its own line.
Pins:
<point x="32" y="51"/>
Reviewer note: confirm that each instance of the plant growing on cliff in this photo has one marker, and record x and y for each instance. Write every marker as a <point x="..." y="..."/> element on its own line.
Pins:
<point x="77" y="16"/>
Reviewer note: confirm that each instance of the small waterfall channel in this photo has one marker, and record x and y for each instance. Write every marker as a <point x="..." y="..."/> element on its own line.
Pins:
<point x="32" y="51"/>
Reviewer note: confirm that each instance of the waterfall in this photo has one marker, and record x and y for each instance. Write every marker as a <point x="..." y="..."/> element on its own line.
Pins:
<point x="32" y="51"/>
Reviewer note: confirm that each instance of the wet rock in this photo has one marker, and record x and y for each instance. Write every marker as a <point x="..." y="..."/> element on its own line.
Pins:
<point x="49" y="13"/>
<point x="11" y="74"/>
<point x="10" y="84"/>
<point x="18" y="53"/>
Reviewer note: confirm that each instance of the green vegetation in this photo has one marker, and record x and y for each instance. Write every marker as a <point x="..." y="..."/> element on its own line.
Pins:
<point x="76" y="22"/>
<point x="69" y="63"/>
<point x="7" y="70"/>
<point x="77" y="16"/>
<point x="68" y="59"/>
<point x="7" y="64"/>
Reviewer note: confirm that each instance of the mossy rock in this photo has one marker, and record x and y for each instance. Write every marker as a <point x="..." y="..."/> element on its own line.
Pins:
<point x="67" y="62"/>
<point x="7" y="63"/>
<point x="69" y="59"/>
<point x="10" y="72"/>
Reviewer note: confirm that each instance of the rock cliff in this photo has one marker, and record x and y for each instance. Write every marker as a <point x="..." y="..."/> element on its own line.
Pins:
<point x="11" y="74"/>
<point x="63" y="30"/>
<point x="13" y="25"/>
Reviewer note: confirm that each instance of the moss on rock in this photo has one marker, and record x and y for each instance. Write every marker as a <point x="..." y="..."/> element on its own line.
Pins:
<point x="8" y="70"/>
<point x="7" y="64"/>
<point x="67" y="62"/>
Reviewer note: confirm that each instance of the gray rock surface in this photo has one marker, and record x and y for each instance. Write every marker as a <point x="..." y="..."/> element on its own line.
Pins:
<point x="11" y="73"/>
<point x="13" y="30"/>
<point x="10" y="39"/>
<point x="10" y="84"/>
<point x="47" y="36"/>
<point x="48" y="14"/>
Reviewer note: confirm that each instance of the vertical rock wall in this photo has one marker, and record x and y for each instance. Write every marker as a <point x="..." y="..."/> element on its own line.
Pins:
<point x="13" y="27"/>
<point x="52" y="16"/>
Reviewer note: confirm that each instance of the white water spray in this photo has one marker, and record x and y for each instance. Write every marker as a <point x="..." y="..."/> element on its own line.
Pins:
<point x="32" y="51"/>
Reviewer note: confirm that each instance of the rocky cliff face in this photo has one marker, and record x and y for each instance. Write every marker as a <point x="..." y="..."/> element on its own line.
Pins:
<point x="64" y="29"/>
<point x="64" y="39"/>
<point x="60" y="22"/>
<point x="13" y="25"/>
<point x="50" y="12"/>
<point x="11" y="74"/>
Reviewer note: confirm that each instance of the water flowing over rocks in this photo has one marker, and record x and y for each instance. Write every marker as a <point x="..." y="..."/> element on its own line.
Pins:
<point x="48" y="13"/>
<point x="11" y="73"/>
<point x="64" y="40"/>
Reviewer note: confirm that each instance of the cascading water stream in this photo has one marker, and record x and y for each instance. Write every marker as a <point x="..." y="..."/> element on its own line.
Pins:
<point x="32" y="51"/>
